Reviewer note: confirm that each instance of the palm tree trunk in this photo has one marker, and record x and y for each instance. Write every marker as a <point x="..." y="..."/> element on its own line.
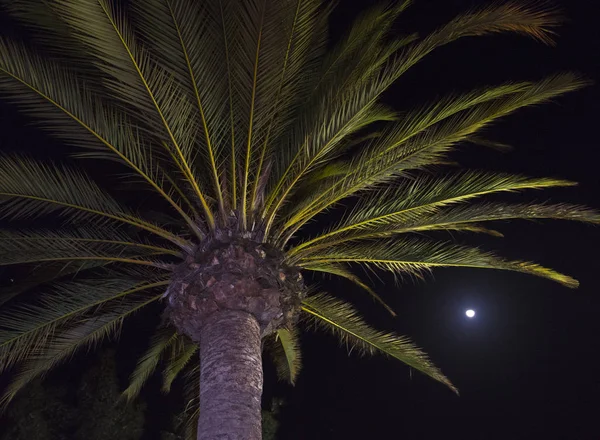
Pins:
<point x="231" y="377"/>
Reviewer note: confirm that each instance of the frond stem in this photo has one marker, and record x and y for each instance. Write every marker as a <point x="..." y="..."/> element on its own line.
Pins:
<point x="111" y="147"/>
<point x="201" y="109"/>
<point x="182" y="163"/>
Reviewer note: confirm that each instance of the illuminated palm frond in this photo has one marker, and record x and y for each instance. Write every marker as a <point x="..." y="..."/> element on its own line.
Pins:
<point x="401" y="149"/>
<point x="284" y="348"/>
<point x="469" y="218"/>
<point x="345" y="322"/>
<point x="161" y="341"/>
<point x="422" y="204"/>
<point x="358" y="103"/>
<point x="345" y="272"/>
<point x="181" y="355"/>
<point x="59" y="98"/>
<point x="41" y="274"/>
<point x="35" y="189"/>
<point x="413" y="257"/>
<point x="62" y="343"/>
<point x="26" y="328"/>
<point x="34" y="247"/>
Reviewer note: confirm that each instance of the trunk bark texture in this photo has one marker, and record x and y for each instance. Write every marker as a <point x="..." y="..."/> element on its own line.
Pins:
<point x="226" y="296"/>
<point x="231" y="377"/>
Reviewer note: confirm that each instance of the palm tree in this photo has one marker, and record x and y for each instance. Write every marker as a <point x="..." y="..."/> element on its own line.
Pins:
<point x="244" y="127"/>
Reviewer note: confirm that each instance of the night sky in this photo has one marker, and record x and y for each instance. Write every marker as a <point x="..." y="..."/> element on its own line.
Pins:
<point x="526" y="365"/>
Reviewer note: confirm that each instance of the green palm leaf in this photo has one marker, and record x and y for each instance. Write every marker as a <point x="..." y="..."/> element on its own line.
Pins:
<point x="180" y="356"/>
<point x="35" y="189"/>
<point x="64" y="344"/>
<point x="284" y="348"/>
<point x="467" y="218"/>
<point x="358" y="103"/>
<point x="344" y="272"/>
<point x="413" y="257"/>
<point x="41" y="274"/>
<point x="344" y="321"/>
<point x="27" y="328"/>
<point x="102" y="27"/>
<point x="362" y="50"/>
<point x="183" y="34"/>
<point x="88" y="119"/>
<point x="418" y="205"/>
<point x="160" y="342"/>
<point x="31" y="247"/>
<point x="400" y="149"/>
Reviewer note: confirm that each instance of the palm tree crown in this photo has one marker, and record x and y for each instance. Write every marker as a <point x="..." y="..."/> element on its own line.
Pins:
<point x="244" y="127"/>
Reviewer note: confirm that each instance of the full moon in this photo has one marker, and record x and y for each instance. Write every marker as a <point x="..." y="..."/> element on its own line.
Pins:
<point x="470" y="313"/>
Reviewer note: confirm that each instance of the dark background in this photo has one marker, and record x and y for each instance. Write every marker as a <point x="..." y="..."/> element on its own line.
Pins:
<point x="526" y="365"/>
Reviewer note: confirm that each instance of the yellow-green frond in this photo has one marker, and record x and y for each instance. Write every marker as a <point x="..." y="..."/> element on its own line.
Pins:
<point x="396" y="152"/>
<point x="344" y="321"/>
<point x="160" y="342"/>
<point x="181" y="355"/>
<point x="30" y="189"/>
<point x="414" y="257"/>
<point x="27" y="327"/>
<point x="532" y="20"/>
<point x="284" y="348"/>
<point x="138" y="81"/>
<point x="63" y="343"/>
<point x="469" y="217"/>
<point x="344" y="272"/>
<point x="41" y="274"/>
<point x="185" y="36"/>
<point x="68" y="108"/>
<point x="414" y="200"/>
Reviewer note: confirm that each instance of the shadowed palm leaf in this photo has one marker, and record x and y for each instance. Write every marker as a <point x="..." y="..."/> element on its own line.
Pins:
<point x="240" y="123"/>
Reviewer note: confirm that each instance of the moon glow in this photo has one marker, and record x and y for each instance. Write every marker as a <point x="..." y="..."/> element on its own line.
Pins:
<point x="470" y="313"/>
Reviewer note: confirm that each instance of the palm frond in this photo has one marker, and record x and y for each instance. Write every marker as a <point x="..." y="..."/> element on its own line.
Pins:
<point x="63" y="100"/>
<point x="413" y="200"/>
<point x="533" y="20"/>
<point x="96" y="239"/>
<point x="26" y="328"/>
<point x="252" y="29"/>
<point x="367" y="45"/>
<point x="344" y="272"/>
<point x="358" y="102"/>
<point x="18" y="248"/>
<point x="284" y="348"/>
<point x="303" y="31"/>
<point x="35" y="189"/>
<point x="188" y="38"/>
<point x="181" y="354"/>
<point x="139" y="81"/>
<point x="269" y="49"/>
<point x="344" y="321"/>
<point x="55" y="41"/>
<point x="398" y="151"/>
<point x="160" y="342"/>
<point x="413" y="257"/>
<point x="468" y="218"/>
<point x="338" y="122"/>
<point x="41" y="274"/>
<point x="64" y="343"/>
